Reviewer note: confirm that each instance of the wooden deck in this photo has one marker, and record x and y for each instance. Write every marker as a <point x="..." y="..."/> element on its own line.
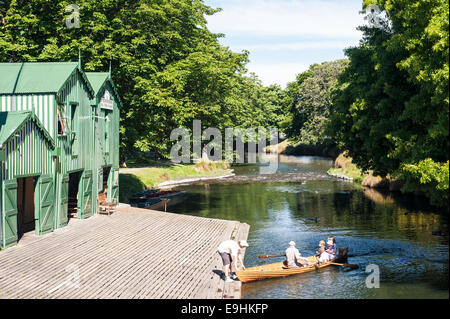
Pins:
<point x="133" y="253"/>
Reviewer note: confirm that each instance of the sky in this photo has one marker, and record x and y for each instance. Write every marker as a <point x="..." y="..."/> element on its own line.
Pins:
<point x="285" y="37"/>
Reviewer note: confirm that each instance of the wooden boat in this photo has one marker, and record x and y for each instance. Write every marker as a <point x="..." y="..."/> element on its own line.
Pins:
<point x="280" y="270"/>
<point x="155" y="199"/>
<point x="157" y="203"/>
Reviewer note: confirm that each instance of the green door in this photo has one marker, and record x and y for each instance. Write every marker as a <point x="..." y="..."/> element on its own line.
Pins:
<point x="114" y="184"/>
<point x="85" y="195"/>
<point x="63" y="213"/>
<point x="9" y="216"/>
<point x="45" y="208"/>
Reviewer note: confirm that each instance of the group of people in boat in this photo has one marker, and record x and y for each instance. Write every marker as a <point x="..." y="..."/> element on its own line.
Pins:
<point x="325" y="253"/>
<point x="229" y="251"/>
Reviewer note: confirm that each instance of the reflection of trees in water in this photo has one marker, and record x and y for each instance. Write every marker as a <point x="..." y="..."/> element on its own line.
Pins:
<point x="378" y="197"/>
<point x="368" y="211"/>
<point x="323" y="204"/>
<point x="248" y="203"/>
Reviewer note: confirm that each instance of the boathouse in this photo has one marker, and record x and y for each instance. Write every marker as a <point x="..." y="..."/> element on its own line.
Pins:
<point x="27" y="195"/>
<point x="106" y="134"/>
<point x="62" y="112"/>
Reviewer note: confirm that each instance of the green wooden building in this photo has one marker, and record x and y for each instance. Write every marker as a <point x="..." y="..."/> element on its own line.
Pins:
<point x="59" y="135"/>
<point x="106" y="133"/>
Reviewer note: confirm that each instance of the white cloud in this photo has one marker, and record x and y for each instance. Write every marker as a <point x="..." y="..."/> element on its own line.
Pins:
<point x="286" y="36"/>
<point x="293" y="17"/>
<point x="277" y="73"/>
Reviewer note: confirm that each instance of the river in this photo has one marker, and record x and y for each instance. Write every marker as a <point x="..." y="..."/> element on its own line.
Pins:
<point x="406" y="240"/>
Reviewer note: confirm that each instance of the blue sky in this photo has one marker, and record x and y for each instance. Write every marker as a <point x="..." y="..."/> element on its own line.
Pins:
<point x="284" y="37"/>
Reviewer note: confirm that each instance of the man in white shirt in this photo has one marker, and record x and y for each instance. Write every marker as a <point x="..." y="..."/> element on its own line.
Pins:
<point x="230" y="253"/>
<point x="293" y="257"/>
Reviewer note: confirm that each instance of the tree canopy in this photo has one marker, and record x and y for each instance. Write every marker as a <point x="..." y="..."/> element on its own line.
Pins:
<point x="168" y="67"/>
<point x="391" y="111"/>
<point x="310" y="97"/>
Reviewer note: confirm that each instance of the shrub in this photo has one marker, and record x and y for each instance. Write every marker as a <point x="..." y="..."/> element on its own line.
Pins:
<point x="429" y="177"/>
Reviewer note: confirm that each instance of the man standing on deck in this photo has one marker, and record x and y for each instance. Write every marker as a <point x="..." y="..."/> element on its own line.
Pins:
<point x="293" y="257"/>
<point x="230" y="253"/>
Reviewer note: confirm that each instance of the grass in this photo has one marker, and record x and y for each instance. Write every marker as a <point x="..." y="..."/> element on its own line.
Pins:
<point x="352" y="172"/>
<point x="347" y="168"/>
<point x="147" y="178"/>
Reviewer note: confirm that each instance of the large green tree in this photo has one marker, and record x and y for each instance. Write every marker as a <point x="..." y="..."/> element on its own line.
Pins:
<point x="169" y="68"/>
<point x="310" y="97"/>
<point x="392" y="109"/>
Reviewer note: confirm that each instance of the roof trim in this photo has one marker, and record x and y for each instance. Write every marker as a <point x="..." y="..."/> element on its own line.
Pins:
<point x="83" y="75"/>
<point x="116" y="93"/>
<point x="31" y="116"/>
<point x="109" y="79"/>
<point x="36" y="69"/>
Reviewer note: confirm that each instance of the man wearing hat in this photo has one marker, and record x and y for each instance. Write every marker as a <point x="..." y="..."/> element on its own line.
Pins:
<point x="229" y="251"/>
<point x="293" y="257"/>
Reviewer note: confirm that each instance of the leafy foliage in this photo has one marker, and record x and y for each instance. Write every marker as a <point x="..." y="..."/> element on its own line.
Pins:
<point x="392" y="106"/>
<point x="168" y="67"/>
<point x="432" y="178"/>
<point x="311" y="99"/>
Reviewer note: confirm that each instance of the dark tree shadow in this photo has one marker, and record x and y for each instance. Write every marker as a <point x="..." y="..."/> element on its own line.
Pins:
<point x="129" y="185"/>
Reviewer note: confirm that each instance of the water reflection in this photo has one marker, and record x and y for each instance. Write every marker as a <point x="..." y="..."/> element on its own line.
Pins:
<point x="406" y="239"/>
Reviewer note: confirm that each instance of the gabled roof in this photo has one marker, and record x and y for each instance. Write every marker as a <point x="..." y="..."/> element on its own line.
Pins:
<point x="37" y="77"/>
<point x="12" y="122"/>
<point x="99" y="79"/>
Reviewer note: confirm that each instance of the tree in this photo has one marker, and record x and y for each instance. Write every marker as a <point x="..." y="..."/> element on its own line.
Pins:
<point x="391" y="111"/>
<point x="168" y="67"/>
<point x="311" y="98"/>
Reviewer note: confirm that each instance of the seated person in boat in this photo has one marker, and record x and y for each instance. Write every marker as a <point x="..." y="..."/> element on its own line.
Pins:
<point x="321" y="249"/>
<point x="330" y="253"/>
<point x="293" y="257"/>
<point x="230" y="253"/>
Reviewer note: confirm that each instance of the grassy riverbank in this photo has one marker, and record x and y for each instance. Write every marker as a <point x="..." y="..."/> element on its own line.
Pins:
<point x="149" y="177"/>
<point x="344" y="166"/>
<point x="353" y="173"/>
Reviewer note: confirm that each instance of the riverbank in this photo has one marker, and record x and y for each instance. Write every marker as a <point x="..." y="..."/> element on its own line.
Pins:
<point x="288" y="147"/>
<point x="345" y="169"/>
<point x="135" y="180"/>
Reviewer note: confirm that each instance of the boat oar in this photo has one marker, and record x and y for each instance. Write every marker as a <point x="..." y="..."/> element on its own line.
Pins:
<point x="269" y="256"/>
<point x="352" y="266"/>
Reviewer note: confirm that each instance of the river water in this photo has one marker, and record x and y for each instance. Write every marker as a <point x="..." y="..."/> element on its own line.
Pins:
<point x="399" y="235"/>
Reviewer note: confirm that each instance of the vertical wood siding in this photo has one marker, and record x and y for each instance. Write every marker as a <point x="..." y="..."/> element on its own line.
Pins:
<point x="76" y="90"/>
<point x="28" y="153"/>
<point x="42" y="104"/>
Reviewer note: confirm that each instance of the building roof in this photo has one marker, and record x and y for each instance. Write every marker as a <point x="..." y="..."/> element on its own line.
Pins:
<point x="37" y="77"/>
<point x="99" y="79"/>
<point x="12" y="122"/>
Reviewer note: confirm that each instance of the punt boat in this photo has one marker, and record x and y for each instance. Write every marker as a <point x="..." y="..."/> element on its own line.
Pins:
<point x="280" y="270"/>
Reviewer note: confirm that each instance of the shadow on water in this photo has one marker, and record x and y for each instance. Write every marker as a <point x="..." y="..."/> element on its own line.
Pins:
<point x="404" y="237"/>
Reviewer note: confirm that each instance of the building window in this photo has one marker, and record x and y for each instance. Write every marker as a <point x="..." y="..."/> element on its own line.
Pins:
<point x="60" y="125"/>
<point x="74" y="110"/>
<point x="61" y="118"/>
<point x="107" y="130"/>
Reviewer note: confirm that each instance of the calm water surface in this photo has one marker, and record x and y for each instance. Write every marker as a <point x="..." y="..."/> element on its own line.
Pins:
<point x="407" y="240"/>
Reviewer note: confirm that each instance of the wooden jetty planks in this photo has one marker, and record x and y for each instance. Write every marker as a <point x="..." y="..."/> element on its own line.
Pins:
<point x="133" y="253"/>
